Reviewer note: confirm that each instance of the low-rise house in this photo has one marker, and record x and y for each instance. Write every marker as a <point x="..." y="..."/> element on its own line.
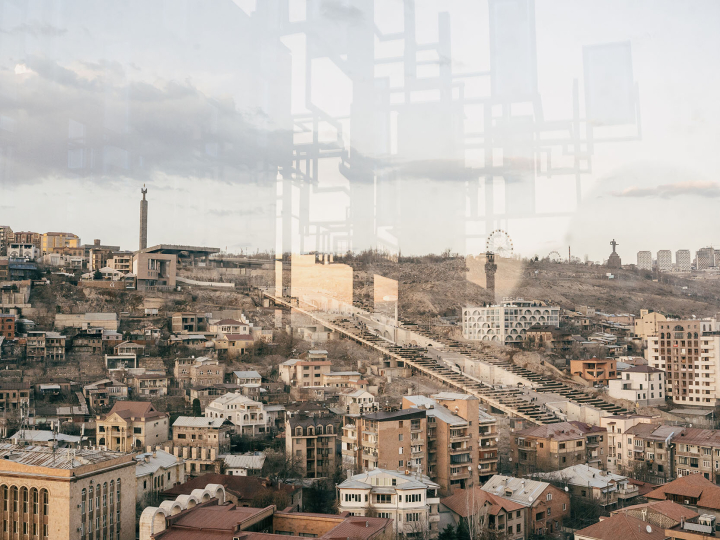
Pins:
<point x="43" y="346"/>
<point x="356" y="401"/>
<point x="665" y="514"/>
<point x="246" y="377"/>
<point x="550" y="338"/>
<point x="149" y="384"/>
<point x="121" y="362"/>
<point x="694" y="490"/>
<point x="156" y="472"/>
<point x="249" y="464"/>
<point x="53" y="387"/>
<point x="14" y="396"/>
<point x="83" y="321"/>
<point x="232" y="345"/>
<point x="600" y="487"/>
<point x="410" y="500"/>
<point x="188" y="323"/>
<point x="131" y="425"/>
<point x="621" y="526"/>
<point x="494" y="516"/>
<point x="38" y="437"/>
<point x="201" y="371"/>
<point x="594" y="371"/>
<point x="7" y="326"/>
<point x="200" y="441"/>
<point x="643" y="385"/>
<point x="129" y="348"/>
<point x="206" y="394"/>
<point x="248" y="416"/>
<point x="547" y="506"/>
<point x="296" y="372"/>
<point x="89" y="340"/>
<point x="103" y="393"/>
<point x="230" y="326"/>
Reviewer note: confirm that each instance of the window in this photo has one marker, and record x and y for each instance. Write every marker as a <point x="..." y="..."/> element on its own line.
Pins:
<point x="564" y="507"/>
<point x="549" y="497"/>
<point x="400" y="437"/>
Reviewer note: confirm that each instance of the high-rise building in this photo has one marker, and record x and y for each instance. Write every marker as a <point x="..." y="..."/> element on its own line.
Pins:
<point x="689" y="352"/>
<point x="664" y="260"/>
<point x="310" y="443"/>
<point x="705" y="258"/>
<point x="682" y="260"/>
<point x="507" y="322"/>
<point x="644" y="260"/>
<point x="143" y="219"/>
<point x="6" y="236"/>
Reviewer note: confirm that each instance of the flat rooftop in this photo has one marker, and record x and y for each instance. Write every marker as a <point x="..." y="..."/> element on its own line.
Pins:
<point x="43" y="456"/>
<point x="177" y="249"/>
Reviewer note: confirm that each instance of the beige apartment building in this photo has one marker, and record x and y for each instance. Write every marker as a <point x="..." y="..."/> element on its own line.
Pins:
<point x="149" y="384"/>
<point x="42" y="346"/>
<point x="487" y="446"/>
<point x="57" y="494"/>
<point x="296" y="372"/>
<point x="648" y="452"/>
<point x="122" y="262"/>
<point x="616" y="425"/>
<point x="394" y="440"/>
<point x="310" y="443"/>
<point x="186" y="322"/>
<point x="200" y="441"/>
<point x="14" y="396"/>
<point x="156" y="472"/>
<point x="647" y="324"/>
<point x="131" y="425"/>
<point x="452" y="438"/>
<point x="557" y="446"/>
<point x="689" y="353"/>
<point x="201" y="371"/>
<point x="52" y="241"/>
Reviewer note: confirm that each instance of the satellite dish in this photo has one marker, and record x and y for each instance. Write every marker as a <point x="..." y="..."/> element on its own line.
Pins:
<point x="566" y="488"/>
<point x="530" y="499"/>
<point x="648" y="529"/>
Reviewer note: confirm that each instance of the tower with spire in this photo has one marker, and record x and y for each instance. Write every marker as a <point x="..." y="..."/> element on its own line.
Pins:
<point x="143" y="218"/>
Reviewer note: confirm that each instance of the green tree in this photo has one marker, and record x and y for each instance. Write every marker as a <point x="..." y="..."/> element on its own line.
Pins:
<point x="97" y="276"/>
<point x="448" y="533"/>
<point x="197" y="410"/>
<point x="463" y="532"/>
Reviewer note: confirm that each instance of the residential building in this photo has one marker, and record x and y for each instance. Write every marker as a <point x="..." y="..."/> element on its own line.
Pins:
<point x="98" y="258"/>
<point x="88" y="341"/>
<point x="67" y="493"/>
<point x="248" y="416"/>
<point x="507" y="322"/>
<point x="664" y="514"/>
<point x="600" y="487"/>
<point x="201" y="371"/>
<point x="7" y="326"/>
<point x="6" y="235"/>
<point x="621" y="526"/>
<point x="683" y="260"/>
<point x="357" y="401"/>
<point x="129" y="348"/>
<point x="647" y="324"/>
<point x="249" y="464"/>
<point x="101" y="394"/>
<point x="53" y="241"/>
<point x="705" y="258"/>
<point x="310" y="441"/>
<point x="547" y="506"/>
<point x="549" y="338"/>
<point x="487" y="446"/>
<point x="28" y="252"/>
<point x="43" y="346"/>
<point x="188" y="322"/>
<point x="190" y="515"/>
<point x="206" y="394"/>
<point x="14" y="396"/>
<point x="701" y="528"/>
<point x="200" y="441"/>
<point x="156" y="472"/>
<point x="50" y="439"/>
<point x="122" y="262"/>
<point x="149" y="384"/>
<point x="296" y="372"/>
<point x="394" y="440"/>
<point x="697" y="451"/>
<point x="643" y="385"/>
<point x="452" y="438"/>
<point x="595" y="370"/>
<point x="233" y="345"/>
<point x="689" y="353"/>
<point x="649" y="453"/>
<point x="98" y="246"/>
<point x="692" y="490"/>
<point x="551" y="447"/>
<point x="242" y="490"/>
<point x="664" y="260"/>
<point x="616" y="425"/>
<point x="498" y="517"/>
<point x="120" y="362"/>
<point x="131" y="425"/>
<point x="230" y="326"/>
<point x="410" y="500"/>
<point x="644" y="260"/>
<point x="246" y="377"/>
<point x="153" y="270"/>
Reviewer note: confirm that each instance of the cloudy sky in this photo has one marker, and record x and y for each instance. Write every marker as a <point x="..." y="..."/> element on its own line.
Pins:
<point x="414" y="126"/>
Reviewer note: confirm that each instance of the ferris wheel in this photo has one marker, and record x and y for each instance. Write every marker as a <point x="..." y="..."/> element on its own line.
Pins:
<point x="499" y="243"/>
<point x="554" y="256"/>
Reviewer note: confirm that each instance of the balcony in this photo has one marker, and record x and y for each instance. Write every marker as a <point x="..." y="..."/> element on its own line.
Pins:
<point x="462" y="473"/>
<point x="456" y="451"/>
<point x="419" y="440"/>
<point x="459" y="438"/>
<point x="488" y="459"/>
<point x="434" y="518"/>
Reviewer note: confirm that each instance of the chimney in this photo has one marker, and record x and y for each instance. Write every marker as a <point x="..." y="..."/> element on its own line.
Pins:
<point x="96" y="242"/>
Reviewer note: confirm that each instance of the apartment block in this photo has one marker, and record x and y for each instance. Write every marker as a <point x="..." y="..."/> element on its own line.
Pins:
<point x="7" y="326"/>
<point x="557" y="446"/>
<point x="648" y="450"/>
<point x="595" y="370"/>
<point x="616" y="425"/>
<point x="452" y="438"/>
<point x="53" y="241"/>
<point x="508" y="321"/>
<point x="200" y="442"/>
<point x="201" y="371"/>
<point x="683" y="261"/>
<point x="664" y="260"/>
<point x="42" y="346"/>
<point x="410" y="500"/>
<point x="132" y="425"/>
<point x="188" y="322"/>
<point x="647" y="324"/>
<point x="705" y="258"/>
<point x="487" y="446"/>
<point x="644" y="260"/>
<point x="26" y="237"/>
<point x="310" y="442"/>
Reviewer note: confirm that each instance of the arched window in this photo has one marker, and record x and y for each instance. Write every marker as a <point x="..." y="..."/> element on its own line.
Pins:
<point x="83" y="504"/>
<point x="14" y="497"/>
<point x="689" y="335"/>
<point x="5" y="497"/>
<point x="662" y="335"/>
<point x="117" y="493"/>
<point x="112" y="491"/>
<point x="24" y="499"/>
<point x="695" y="335"/>
<point x="97" y="496"/>
<point x="45" y="503"/>
<point x="36" y="500"/>
<point x="328" y="429"/>
<point x="310" y="430"/>
<point x="90" y="499"/>
<point x="105" y="495"/>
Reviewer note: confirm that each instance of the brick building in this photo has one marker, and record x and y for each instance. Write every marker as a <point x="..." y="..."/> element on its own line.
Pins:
<point x="7" y="326"/>
<point x="310" y="442"/>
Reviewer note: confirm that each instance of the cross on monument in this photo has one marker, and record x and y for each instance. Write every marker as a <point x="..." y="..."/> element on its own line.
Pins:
<point x="613" y="244"/>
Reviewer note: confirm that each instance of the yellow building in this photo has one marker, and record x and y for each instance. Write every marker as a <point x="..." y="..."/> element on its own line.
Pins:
<point x="55" y="241"/>
<point x="647" y="325"/>
<point x="81" y="494"/>
<point x="132" y="424"/>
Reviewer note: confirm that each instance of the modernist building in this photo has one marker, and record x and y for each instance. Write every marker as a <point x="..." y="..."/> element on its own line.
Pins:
<point x="664" y="260"/>
<point x="644" y="260"/>
<point x="154" y="270"/>
<point x="508" y="321"/>
<point x="683" y="261"/>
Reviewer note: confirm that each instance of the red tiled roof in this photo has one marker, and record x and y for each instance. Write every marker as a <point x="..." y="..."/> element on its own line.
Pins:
<point x="694" y="486"/>
<point x="135" y="409"/>
<point x="563" y="431"/>
<point x="238" y="337"/>
<point x="226" y="322"/>
<point x="460" y="502"/>
<point x="622" y="526"/>
<point x="667" y="508"/>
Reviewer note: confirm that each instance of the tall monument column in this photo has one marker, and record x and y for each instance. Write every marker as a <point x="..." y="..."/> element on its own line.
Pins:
<point x="490" y="269"/>
<point x="143" y="219"/>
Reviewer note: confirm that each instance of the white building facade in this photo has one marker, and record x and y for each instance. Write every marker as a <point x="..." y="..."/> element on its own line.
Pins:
<point x="248" y="416"/>
<point x="508" y="321"/>
<point x="643" y="385"/>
